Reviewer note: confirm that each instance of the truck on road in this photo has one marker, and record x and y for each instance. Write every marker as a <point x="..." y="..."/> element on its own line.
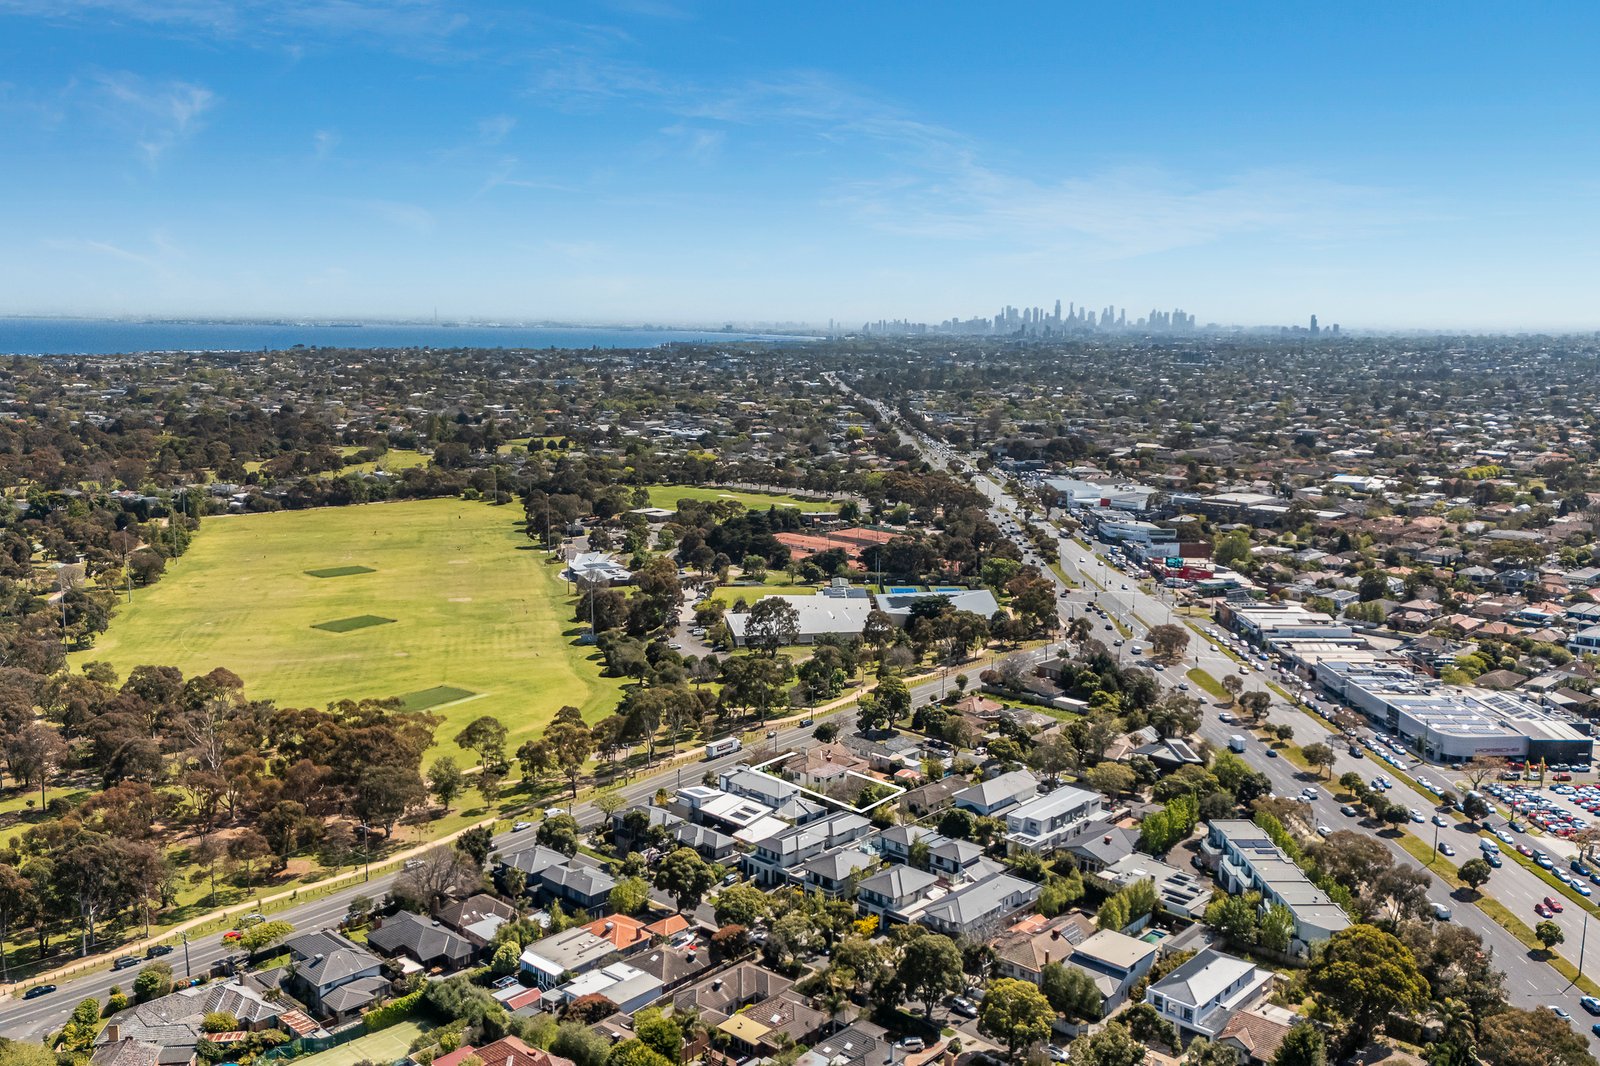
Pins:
<point x="726" y="746"/>
<point x="1236" y="743"/>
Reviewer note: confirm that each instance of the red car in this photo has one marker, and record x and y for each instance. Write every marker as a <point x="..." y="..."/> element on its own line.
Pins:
<point x="1553" y="903"/>
<point x="1541" y="910"/>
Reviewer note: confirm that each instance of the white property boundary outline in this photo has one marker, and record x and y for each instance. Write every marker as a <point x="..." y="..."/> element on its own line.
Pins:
<point x="899" y="790"/>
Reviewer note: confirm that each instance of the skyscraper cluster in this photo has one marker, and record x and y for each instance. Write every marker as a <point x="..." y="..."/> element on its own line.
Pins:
<point x="1041" y="322"/>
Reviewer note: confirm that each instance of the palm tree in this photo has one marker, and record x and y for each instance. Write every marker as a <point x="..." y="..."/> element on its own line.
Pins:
<point x="1455" y="1019"/>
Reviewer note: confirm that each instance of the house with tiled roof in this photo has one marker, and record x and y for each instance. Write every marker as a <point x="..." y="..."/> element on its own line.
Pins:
<point x="166" y="1030"/>
<point x="478" y="917"/>
<point x="333" y="975"/>
<point x="1256" y="1034"/>
<point x="507" y="1051"/>
<point x="428" y="942"/>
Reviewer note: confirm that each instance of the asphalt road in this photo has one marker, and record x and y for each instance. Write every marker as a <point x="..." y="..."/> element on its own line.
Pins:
<point x="1530" y="981"/>
<point x="34" y="1019"/>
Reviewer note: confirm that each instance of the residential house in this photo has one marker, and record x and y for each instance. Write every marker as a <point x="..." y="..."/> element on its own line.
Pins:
<point x="629" y="987"/>
<point x="1098" y="844"/>
<point x="507" y="1051"/>
<point x="1115" y="961"/>
<point x="1256" y="1034"/>
<point x="165" y="1031"/>
<point x="835" y="873"/>
<point x="1180" y="892"/>
<point x="979" y="908"/>
<point x="1023" y="951"/>
<point x="896" y="892"/>
<point x="578" y="885"/>
<point x="674" y="967"/>
<point x="1203" y="994"/>
<point x="1246" y="860"/>
<point x="712" y="845"/>
<point x="582" y="948"/>
<point x="777" y="859"/>
<point x="827" y="765"/>
<point x="478" y="917"/>
<point x="992" y="797"/>
<point x="334" y="976"/>
<point x="426" y="941"/>
<point x="774" y="1025"/>
<point x="861" y="1043"/>
<point x="723" y="994"/>
<point x="1040" y="825"/>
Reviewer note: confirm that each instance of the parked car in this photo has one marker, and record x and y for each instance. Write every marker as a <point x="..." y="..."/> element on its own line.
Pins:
<point x="964" y="1007"/>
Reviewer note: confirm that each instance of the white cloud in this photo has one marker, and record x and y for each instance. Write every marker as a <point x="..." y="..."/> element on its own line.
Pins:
<point x="400" y="215"/>
<point x="156" y="115"/>
<point x="323" y="143"/>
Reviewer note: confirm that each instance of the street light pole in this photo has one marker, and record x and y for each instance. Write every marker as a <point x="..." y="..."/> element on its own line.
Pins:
<point x="1583" y="942"/>
<point x="186" y="970"/>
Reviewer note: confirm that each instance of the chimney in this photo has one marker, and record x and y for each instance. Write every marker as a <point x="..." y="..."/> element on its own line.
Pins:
<point x="113" y="1033"/>
<point x="1047" y="957"/>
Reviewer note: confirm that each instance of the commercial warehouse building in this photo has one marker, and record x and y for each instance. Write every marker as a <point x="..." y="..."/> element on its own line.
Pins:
<point x="1454" y="723"/>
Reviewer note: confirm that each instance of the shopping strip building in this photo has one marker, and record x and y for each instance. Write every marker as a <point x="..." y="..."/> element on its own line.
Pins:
<point x="1454" y="723"/>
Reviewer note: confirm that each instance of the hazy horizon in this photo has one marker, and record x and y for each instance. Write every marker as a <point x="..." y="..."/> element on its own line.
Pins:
<point x="689" y="165"/>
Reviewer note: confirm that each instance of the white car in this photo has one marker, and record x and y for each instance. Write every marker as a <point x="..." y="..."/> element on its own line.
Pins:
<point x="517" y="827"/>
<point x="1416" y="816"/>
<point x="1323" y="830"/>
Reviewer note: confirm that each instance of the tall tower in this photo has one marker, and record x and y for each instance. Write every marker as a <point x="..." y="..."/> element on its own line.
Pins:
<point x="1315" y="329"/>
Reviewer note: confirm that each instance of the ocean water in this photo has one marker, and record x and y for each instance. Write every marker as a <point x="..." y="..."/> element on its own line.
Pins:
<point x="84" y="336"/>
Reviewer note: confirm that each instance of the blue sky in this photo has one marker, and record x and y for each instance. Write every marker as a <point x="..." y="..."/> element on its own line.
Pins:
<point x="656" y="160"/>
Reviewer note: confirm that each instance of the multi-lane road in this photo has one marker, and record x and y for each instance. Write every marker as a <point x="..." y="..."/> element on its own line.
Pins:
<point x="1531" y="981"/>
<point x="33" y="1019"/>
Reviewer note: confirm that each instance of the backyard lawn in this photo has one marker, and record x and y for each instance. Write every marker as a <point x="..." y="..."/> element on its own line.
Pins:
<point x="443" y="603"/>
<point x="384" y="1046"/>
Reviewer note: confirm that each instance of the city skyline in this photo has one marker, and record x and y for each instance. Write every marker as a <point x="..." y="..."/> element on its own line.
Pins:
<point x="688" y="164"/>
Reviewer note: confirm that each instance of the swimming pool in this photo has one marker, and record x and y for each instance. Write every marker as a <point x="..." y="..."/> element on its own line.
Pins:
<point x="902" y="590"/>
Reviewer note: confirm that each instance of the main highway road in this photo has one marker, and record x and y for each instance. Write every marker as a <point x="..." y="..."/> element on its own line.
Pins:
<point x="1530" y="981"/>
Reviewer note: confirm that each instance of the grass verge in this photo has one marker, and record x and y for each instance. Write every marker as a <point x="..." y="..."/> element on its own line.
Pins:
<point x="1208" y="684"/>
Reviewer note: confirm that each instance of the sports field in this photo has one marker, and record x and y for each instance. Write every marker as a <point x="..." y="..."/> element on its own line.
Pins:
<point x="669" y="495"/>
<point x="439" y="602"/>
